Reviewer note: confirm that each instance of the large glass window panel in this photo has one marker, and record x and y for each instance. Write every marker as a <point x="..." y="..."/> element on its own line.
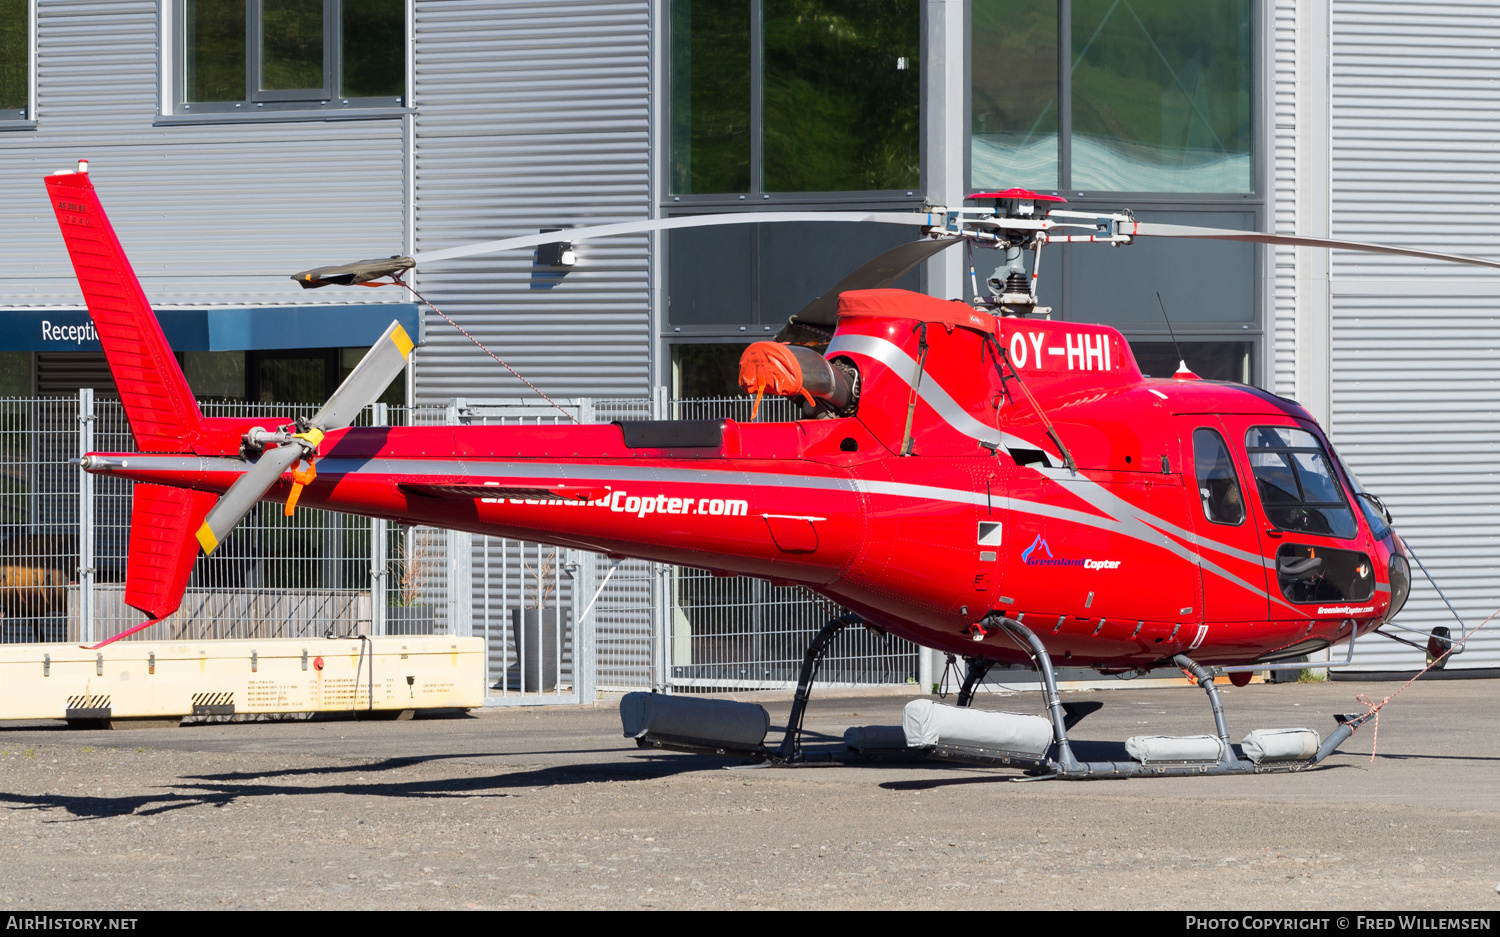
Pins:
<point x="214" y="50"/>
<point x="15" y="374"/>
<point x="215" y="373"/>
<point x="1013" y="56"/>
<point x="291" y="51"/>
<point x="842" y="90"/>
<point x="1161" y="96"/>
<point x="1202" y="283"/>
<point x="801" y="261"/>
<point x="15" y="57"/>
<point x="282" y="378"/>
<point x="1212" y="361"/>
<point x="711" y="276"/>
<point x="710" y="92"/>
<point x="756" y="276"/>
<point x="706" y="370"/>
<point x="374" y="48"/>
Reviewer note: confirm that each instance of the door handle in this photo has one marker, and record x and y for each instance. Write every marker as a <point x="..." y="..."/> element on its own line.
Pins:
<point x="1273" y="532"/>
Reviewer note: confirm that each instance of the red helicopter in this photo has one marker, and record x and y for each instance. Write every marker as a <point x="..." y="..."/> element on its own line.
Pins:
<point x="978" y="479"/>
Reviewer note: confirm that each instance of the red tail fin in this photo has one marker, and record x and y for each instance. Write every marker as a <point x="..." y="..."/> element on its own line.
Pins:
<point x="162" y="412"/>
<point x="162" y="548"/>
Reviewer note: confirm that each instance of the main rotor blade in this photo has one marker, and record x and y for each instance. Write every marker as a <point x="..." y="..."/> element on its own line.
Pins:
<point x="369" y="379"/>
<point x="570" y="235"/>
<point x="1150" y="229"/>
<point x="243" y="494"/>
<point x="876" y="274"/>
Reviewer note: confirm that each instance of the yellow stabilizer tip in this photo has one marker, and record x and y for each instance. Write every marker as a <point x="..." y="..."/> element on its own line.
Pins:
<point x="404" y="344"/>
<point x="206" y="539"/>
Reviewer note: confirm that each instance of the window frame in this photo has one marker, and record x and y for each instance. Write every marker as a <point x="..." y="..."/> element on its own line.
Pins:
<point x="1320" y="449"/>
<point x="26" y="118"/>
<point x="1258" y="202"/>
<point x="757" y="196"/>
<point x="325" y="103"/>
<point x="1233" y="471"/>
<point x="1261" y="62"/>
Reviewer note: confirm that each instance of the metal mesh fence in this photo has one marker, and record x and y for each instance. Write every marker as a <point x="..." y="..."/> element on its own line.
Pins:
<point x="731" y="633"/>
<point x="523" y="594"/>
<point x="39" y="522"/>
<point x="64" y="538"/>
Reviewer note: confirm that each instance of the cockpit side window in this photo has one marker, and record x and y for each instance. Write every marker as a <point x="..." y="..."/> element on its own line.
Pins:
<point x="1218" y="485"/>
<point x="1297" y="485"/>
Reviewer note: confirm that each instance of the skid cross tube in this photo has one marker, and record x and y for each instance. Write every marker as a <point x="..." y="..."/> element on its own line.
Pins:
<point x="1065" y="765"/>
<point x="791" y="743"/>
<point x="1205" y="678"/>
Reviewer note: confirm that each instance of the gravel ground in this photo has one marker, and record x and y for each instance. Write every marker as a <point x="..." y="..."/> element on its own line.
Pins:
<point x="553" y="809"/>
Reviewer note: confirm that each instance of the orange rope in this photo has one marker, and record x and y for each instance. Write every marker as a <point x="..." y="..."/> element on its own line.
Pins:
<point x="1374" y="707"/>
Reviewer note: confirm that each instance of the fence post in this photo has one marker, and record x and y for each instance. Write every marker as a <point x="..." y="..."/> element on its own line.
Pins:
<point x="379" y="570"/>
<point x="460" y="545"/>
<point x="585" y="581"/>
<point x="661" y="611"/>
<point x="86" y="519"/>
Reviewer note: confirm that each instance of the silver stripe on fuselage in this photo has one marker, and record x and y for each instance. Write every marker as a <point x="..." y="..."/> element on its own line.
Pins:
<point x="1129" y="519"/>
<point x="1120" y="516"/>
<point x="932" y="393"/>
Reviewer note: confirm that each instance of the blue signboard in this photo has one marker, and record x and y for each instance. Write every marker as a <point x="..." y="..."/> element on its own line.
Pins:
<point x="219" y="328"/>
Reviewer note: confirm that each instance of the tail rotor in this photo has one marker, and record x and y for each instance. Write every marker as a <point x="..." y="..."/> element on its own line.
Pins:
<point x="290" y="445"/>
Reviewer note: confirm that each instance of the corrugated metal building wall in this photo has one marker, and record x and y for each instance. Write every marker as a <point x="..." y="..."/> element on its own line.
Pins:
<point x="1283" y="330"/>
<point x="209" y="213"/>
<point x="534" y="115"/>
<point x="1416" y="402"/>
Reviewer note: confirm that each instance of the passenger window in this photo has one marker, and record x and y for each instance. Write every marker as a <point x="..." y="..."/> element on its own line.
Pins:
<point x="1218" y="485"/>
<point x="1296" y="482"/>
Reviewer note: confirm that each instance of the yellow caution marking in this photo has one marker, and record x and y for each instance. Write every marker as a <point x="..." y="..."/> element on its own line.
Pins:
<point x="404" y="344"/>
<point x="206" y="539"/>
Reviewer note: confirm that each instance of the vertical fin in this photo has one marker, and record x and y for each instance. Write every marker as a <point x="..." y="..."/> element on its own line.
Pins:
<point x="162" y="547"/>
<point x="163" y="414"/>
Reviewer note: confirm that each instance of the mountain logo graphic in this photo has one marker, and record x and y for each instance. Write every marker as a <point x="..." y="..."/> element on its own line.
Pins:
<point x="1040" y="554"/>
<point x="1035" y="544"/>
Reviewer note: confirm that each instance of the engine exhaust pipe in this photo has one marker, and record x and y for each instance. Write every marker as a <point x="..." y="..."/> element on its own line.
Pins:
<point x="798" y="371"/>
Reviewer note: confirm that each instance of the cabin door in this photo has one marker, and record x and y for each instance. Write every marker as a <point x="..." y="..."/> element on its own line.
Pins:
<point x="1229" y="537"/>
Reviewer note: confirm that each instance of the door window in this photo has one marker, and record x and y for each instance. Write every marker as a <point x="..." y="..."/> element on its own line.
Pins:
<point x="1298" y="489"/>
<point x="1218" y="486"/>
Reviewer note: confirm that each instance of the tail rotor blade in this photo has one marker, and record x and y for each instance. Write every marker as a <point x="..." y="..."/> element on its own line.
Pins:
<point x="369" y="379"/>
<point x="243" y="494"/>
<point x="380" y="365"/>
<point x="1151" y="229"/>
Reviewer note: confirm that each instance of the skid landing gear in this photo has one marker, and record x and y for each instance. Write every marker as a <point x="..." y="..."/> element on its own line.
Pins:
<point x="977" y="668"/>
<point x="790" y="750"/>
<point x="1065" y="765"/>
<point x="962" y="734"/>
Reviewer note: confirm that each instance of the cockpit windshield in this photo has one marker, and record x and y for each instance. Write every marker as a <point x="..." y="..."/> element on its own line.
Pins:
<point x="1297" y="485"/>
